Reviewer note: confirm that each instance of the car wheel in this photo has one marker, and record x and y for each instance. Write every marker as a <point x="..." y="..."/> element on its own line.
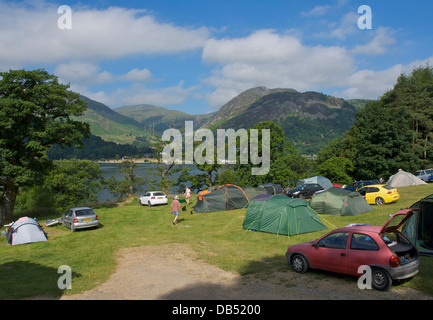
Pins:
<point x="301" y="196"/>
<point x="379" y="201"/>
<point x="149" y="204"/>
<point x="139" y="202"/>
<point x="72" y="227"/>
<point x="380" y="279"/>
<point x="299" y="263"/>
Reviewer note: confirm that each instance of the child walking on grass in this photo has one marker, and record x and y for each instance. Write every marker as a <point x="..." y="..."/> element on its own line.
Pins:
<point x="175" y="208"/>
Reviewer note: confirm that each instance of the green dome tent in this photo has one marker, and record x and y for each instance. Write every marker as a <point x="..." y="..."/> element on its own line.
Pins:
<point x="339" y="201"/>
<point x="225" y="197"/>
<point x="281" y="215"/>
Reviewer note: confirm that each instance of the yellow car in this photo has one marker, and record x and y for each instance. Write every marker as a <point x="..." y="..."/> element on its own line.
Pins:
<point x="379" y="194"/>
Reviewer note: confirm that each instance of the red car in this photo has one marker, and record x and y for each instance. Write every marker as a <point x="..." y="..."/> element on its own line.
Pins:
<point x="388" y="253"/>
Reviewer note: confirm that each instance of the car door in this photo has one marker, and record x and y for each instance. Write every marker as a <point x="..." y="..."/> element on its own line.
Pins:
<point x="330" y="253"/>
<point x="363" y="250"/>
<point x="371" y="194"/>
<point x="67" y="217"/>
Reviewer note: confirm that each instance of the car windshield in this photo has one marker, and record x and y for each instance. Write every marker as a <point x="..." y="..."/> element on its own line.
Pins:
<point x="299" y="188"/>
<point x="84" y="212"/>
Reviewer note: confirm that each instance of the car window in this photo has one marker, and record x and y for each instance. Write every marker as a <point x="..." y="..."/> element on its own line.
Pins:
<point x="363" y="242"/>
<point x="388" y="187"/>
<point x="84" y="212"/>
<point x="372" y="189"/>
<point x="336" y="240"/>
<point x="159" y="194"/>
<point x="147" y="194"/>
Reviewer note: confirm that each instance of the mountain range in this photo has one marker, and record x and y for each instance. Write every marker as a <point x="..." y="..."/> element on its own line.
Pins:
<point x="309" y="119"/>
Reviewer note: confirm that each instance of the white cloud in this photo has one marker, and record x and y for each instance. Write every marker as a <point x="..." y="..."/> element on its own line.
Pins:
<point x="377" y="45"/>
<point x="373" y="84"/>
<point x="138" y="93"/>
<point x="317" y="11"/>
<point x="29" y="34"/>
<point x="137" y="75"/>
<point x="266" y="58"/>
<point x="85" y="73"/>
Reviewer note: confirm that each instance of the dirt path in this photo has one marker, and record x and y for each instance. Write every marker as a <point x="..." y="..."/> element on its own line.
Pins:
<point x="173" y="272"/>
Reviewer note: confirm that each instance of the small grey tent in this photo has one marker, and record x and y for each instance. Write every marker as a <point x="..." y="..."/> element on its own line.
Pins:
<point x="25" y="230"/>
<point x="404" y="179"/>
<point x="324" y="182"/>
<point x="340" y="202"/>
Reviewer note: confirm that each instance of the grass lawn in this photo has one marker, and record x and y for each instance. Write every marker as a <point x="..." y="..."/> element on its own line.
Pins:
<point x="30" y="270"/>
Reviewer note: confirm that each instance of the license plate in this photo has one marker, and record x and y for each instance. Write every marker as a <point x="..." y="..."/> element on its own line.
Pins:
<point x="160" y="197"/>
<point x="88" y="219"/>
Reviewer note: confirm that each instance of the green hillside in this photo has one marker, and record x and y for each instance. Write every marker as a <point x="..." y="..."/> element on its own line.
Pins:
<point x="158" y="119"/>
<point x="310" y="120"/>
<point x="112" y="126"/>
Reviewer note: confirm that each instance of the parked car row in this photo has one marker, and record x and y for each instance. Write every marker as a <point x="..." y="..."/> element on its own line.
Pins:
<point x="372" y="192"/>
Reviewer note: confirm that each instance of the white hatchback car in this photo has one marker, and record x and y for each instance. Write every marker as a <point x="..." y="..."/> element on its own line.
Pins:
<point x="151" y="198"/>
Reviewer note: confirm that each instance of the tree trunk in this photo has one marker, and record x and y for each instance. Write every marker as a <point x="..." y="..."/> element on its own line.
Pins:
<point x="7" y="203"/>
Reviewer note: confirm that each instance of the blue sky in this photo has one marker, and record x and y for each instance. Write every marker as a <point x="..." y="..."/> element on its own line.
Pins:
<point x="196" y="55"/>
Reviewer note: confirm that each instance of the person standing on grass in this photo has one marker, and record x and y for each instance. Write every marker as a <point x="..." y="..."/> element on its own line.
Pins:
<point x="175" y="208"/>
<point x="187" y="195"/>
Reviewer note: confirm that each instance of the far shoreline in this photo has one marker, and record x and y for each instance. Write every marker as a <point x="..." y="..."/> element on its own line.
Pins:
<point x="138" y="160"/>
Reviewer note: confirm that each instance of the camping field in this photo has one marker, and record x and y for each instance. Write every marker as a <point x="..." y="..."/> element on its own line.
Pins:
<point x="31" y="270"/>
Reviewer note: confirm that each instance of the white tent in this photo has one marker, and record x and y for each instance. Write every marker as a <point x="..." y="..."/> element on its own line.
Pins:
<point x="25" y="230"/>
<point x="404" y="179"/>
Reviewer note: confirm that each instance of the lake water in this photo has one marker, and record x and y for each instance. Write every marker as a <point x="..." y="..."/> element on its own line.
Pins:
<point x="146" y="170"/>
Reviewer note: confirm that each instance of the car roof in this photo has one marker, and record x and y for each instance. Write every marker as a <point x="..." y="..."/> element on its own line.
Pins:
<point x="80" y="208"/>
<point x="359" y="228"/>
<point x="374" y="185"/>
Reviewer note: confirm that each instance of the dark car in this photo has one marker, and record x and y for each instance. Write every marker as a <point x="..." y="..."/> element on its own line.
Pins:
<point x="358" y="184"/>
<point x="305" y="190"/>
<point x="386" y="251"/>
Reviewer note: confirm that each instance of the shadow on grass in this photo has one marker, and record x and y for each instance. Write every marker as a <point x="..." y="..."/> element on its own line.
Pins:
<point x="272" y="278"/>
<point x="24" y="280"/>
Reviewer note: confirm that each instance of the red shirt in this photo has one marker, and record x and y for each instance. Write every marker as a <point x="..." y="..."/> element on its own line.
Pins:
<point x="175" y="205"/>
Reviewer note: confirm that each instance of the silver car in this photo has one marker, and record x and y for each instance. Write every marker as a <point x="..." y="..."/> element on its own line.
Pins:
<point x="81" y="217"/>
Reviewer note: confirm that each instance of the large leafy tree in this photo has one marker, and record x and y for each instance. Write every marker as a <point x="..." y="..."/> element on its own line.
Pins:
<point x="285" y="164"/>
<point x="382" y="141"/>
<point x="74" y="182"/>
<point x="36" y="112"/>
<point x="396" y="131"/>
